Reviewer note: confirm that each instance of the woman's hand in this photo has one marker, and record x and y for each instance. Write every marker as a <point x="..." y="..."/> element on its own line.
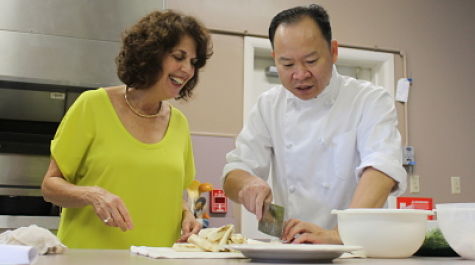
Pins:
<point x="297" y="231"/>
<point x="189" y="225"/>
<point x="109" y="208"/>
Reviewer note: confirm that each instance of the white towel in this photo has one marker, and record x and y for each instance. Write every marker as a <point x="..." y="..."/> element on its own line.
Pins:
<point x="40" y="238"/>
<point x="169" y="253"/>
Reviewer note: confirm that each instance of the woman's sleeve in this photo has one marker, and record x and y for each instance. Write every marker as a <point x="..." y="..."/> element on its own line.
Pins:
<point x="73" y="137"/>
<point x="190" y="170"/>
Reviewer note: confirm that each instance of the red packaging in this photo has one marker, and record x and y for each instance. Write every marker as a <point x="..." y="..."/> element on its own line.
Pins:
<point x="422" y="203"/>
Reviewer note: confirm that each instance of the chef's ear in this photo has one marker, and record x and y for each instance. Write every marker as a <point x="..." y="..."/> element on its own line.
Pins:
<point x="334" y="50"/>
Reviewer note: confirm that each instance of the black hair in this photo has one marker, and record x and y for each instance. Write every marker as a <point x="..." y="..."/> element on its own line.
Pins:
<point x="292" y="15"/>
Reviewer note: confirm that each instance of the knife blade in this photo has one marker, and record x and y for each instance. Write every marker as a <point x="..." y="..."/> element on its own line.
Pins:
<point x="272" y="221"/>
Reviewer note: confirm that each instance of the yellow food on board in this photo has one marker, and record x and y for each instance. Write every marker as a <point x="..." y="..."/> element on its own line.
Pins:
<point x="212" y="240"/>
<point x="186" y="247"/>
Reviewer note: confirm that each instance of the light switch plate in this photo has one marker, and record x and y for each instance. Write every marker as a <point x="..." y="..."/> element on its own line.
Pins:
<point x="455" y="185"/>
<point x="414" y="184"/>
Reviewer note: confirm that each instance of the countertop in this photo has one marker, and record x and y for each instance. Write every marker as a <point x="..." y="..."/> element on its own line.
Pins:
<point x="124" y="257"/>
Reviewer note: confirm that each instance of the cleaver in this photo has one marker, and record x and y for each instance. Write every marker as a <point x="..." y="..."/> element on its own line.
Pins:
<point x="272" y="222"/>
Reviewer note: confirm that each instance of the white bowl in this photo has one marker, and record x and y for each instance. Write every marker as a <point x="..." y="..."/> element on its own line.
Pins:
<point x="457" y="223"/>
<point x="383" y="233"/>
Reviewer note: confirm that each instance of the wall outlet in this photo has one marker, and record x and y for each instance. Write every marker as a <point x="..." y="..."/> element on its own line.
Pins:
<point x="455" y="185"/>
<point x="414" y="184"/>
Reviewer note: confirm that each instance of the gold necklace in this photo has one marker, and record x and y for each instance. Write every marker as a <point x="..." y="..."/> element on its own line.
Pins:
<point x="136" y="112"/>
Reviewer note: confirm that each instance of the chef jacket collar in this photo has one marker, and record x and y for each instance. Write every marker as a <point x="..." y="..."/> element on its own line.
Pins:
<point x="328" y="95"/>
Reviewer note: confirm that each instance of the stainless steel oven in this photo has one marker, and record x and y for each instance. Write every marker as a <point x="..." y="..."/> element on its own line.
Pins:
<point x="30" y="113"/>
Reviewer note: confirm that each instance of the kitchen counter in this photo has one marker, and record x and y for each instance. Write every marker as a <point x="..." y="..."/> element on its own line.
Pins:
<point x="124" y="257"/>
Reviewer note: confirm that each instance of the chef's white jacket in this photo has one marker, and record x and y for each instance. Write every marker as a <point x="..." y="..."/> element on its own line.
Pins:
<point x="317" y="149"/>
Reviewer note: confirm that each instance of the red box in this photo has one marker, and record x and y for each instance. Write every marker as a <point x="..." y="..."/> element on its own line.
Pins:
<point x="218" y="201"/>
<point x="415" y="203"/>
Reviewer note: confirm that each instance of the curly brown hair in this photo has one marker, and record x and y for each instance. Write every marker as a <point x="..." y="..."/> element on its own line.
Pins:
<point x="144" y="46"/>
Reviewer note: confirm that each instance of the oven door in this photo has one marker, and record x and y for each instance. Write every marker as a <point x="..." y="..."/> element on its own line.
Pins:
<point x="30" y="114"/>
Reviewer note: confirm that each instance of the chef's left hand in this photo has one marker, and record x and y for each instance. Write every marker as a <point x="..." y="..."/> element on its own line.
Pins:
<point x="297" y="231"/>
<point x="189" y="226"/>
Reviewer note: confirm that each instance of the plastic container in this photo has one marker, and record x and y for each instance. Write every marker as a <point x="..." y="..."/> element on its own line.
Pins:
<point x="383" y="233"/>
<point x="457" y="223"/>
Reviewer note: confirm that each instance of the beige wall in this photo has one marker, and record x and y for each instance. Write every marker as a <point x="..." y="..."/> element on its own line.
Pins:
<point x="438" y="38"/>
<point x="216" y="105"/>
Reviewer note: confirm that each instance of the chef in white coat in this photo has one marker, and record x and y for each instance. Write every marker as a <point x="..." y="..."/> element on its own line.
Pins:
<point x="330" y="141"/>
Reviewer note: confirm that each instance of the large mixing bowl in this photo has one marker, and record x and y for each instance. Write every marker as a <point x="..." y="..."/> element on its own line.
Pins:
<point x="457" y="223"/>
<point x="383" y="233"/>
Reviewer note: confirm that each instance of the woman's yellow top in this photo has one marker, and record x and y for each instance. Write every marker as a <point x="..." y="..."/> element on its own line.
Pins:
<point x="93" y="148"/>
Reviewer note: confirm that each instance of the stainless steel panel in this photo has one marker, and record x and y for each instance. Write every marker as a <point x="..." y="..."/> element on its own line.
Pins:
<point x="19" y="169"/>
<point x="67" y="61"/>
<point x="31" y="105"/>
<point x="13" y="221"/>
<point x="86" y="19"/>
<point x="72" y="96"/>
<point x="20" y="191"/>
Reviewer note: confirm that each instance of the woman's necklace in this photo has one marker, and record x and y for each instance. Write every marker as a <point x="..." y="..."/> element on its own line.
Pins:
<point x="136" y="112"/>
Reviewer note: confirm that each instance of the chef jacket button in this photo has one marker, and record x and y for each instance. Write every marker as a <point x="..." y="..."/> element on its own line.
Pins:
<point x="322" y="141"/>
<point x="291" y="188"/>
<point x="289" y="146"/>
<point x="326" y="185"/>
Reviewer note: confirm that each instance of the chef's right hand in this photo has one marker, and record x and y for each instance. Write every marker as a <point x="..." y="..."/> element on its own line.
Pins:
<point x="110" y="208"/>
<point x="253" y="195"/>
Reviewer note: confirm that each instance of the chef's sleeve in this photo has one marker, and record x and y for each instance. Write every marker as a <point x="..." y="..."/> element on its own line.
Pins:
<point x="379" y="141"/>
<point x="253" y="149"/>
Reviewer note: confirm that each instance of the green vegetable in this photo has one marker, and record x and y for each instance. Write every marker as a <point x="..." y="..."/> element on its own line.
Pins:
<point x="435" y="245"/>
<point x="435" y="239"/>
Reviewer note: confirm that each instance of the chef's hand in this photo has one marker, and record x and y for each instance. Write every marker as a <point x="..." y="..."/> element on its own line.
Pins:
<point x="297" y="231"/>
<point x="254" y="194"/>
<point x="110" y="208"/>
<point x="189" y="226"/>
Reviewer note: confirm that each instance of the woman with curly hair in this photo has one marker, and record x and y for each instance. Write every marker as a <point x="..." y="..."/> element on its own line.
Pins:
<point x="122" y="155"/>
